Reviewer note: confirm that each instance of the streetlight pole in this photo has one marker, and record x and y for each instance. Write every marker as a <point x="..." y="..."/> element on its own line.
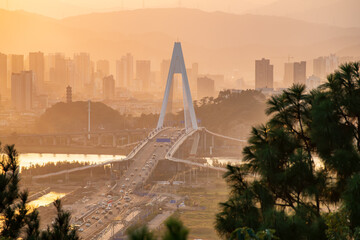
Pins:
<point x="89" y="119"/>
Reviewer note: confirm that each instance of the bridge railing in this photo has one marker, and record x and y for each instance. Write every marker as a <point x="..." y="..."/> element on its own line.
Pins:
<point x="178" y="143"/>
<point x="226" y="137"/>
<point x="150" y="136"/>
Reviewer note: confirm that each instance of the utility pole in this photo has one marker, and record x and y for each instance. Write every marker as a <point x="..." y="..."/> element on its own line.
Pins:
<point x="89" y="119"/>
<point x="289" y="58"/>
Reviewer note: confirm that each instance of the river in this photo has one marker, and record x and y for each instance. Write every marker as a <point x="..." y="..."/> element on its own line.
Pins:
<point x="28" y="159"/>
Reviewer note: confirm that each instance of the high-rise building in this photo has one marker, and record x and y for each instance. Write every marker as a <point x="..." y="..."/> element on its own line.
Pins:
<point x="21" y="90"/>
<point x="312" y="82"/>
<point x="288" y="74"/>
<point x="37" y="66"/>
<point x="164" y="71"/>
<point x="300" y="72"/>
<point x="264" y="74"/>
<point x="319" y="67"/>
<point x="143" y="74"/>
<point x="83" y="71"/>
<point x="322" y="66"/>
<point x="125" y="71"/>
<point x="205" y="87"/>
<point x="193" y="78"/>
<point x="68" y="94"/>
<point x="103" y="67"/>
<point x="70" y="72"/>
<point x="17" y="63"/>
<point x="219" y="80"/>
<point x="109" y="87"/>
<point x="121" y="73"/>
<point x="129" y="70"/>
<point x="3" y="74"/>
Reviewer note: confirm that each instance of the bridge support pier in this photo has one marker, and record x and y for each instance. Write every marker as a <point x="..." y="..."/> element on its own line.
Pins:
<point x="205" y="142"/>
<point x="99" y="140"/>
<point x="114" y="140"/>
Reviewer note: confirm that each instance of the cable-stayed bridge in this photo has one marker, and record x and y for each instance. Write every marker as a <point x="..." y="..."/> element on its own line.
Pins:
<point x="149" y="149"/>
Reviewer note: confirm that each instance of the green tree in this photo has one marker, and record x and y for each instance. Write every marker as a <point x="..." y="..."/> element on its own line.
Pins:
<point x="61" y="229"/>
<point x="12" y="202"/>
<point x="175" y="230"/>
<point x="287" y="190"/>
<point x="140" y="233"/>
<point x="249" y="234"/>
<point x="304" y="159"/>
<point x="14" y="209"/>
<point x="336" y="133"/>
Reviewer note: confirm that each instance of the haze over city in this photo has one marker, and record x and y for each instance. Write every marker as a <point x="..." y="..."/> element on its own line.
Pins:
<point x="179" y="119"/>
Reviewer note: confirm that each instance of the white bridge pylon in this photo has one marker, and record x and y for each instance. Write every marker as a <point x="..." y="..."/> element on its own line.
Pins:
<point x="177" y="65"/>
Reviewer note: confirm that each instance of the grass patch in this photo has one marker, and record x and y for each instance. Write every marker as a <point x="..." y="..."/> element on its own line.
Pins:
<point x="205" y="200"/>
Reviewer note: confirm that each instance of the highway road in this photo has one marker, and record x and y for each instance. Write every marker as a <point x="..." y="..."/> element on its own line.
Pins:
<point x="146" y="160"/>
<point x="124" y="201"/>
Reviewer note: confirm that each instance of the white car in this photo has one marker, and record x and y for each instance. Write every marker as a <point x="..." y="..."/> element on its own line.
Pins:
<point x="127" y="179"/>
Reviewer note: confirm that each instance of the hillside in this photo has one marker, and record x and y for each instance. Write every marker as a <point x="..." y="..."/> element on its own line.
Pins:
<point x="343" y="13"/>
<point x="73" y="117"/>
<point x="219" y="41"/>
<point x="231" y="114"/>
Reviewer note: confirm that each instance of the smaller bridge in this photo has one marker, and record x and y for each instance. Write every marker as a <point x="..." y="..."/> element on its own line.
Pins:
<point x="114" y="139"/>
<point x="136" y="152"/>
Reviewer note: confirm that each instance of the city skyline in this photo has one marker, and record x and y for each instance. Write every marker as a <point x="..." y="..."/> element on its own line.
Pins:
<point x="119" y="117"/>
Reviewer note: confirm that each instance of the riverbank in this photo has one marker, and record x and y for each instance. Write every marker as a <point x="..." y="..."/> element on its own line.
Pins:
<point x="72" y="150"/>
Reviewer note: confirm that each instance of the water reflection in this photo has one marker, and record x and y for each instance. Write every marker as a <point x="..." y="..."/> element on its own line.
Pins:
<point x="222" y="161"/>
<point x="28" y="159"/>
<point x="45" y="200"/>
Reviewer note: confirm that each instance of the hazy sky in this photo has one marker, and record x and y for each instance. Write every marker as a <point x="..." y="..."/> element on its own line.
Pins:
<point x="63" y="8"/>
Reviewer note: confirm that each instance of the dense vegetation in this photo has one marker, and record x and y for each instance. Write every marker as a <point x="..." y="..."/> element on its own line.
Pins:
<point x="174" y="230"/>
<point x="51" y="167"/>
<point x="223" y="114"/>
<point x="73" y="117"/>
<point x="18" y="219"/>
<point x="229" y="111"/>
<point x="301" y="171"/>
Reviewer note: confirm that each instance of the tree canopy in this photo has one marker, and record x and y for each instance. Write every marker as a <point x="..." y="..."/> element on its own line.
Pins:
<point x="302" y="164"/>
<point x="19" y="219"/>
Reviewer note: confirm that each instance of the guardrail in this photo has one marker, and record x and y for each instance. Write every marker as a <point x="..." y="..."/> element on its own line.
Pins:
<point x="226" y="137"/>
<point x="137" y="148"/>
<point x="178" y="143"/>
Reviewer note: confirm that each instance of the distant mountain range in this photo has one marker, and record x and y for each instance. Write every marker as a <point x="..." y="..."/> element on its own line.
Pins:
<point x="219" y="41"/>
<point x="343" y="13"/>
